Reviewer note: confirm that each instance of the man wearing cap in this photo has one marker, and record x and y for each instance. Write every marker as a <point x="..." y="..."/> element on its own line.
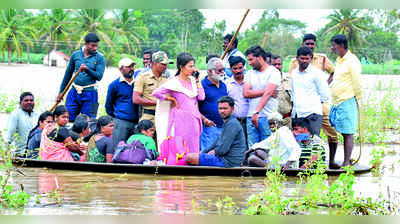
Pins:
<point x="83" y="97"/>
<point x="147" y="82"/>
<point x="119" y="104"/>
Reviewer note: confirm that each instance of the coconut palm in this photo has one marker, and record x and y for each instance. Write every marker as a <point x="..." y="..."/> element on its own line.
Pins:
<point x="348" y="22"/>
<point x="15" y="31"/>
<point x="55" y="27"/>
<point x="128" y="24"/>
<point x="93" y="20"/>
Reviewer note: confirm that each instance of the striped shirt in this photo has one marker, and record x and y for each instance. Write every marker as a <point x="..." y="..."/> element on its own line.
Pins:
<point x="314" y="147"/>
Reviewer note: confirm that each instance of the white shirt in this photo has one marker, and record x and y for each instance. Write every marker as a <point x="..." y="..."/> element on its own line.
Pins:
<point x="309" y="89"/>
<point x="258" y="81"/>
<point x="20" y="123"/>
<point x="282" y="145"/>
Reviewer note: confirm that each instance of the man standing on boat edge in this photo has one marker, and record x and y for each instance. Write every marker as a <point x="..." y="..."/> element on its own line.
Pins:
<point x="119" y="104"/>
<point x="346" y="94"/>
<point x="322" y="62"/>
<point x="83" y="97"/>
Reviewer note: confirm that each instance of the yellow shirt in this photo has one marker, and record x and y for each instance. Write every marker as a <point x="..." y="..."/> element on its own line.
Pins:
<point x="316" y="61"/>
<point x="146" y="83"/>
<point x="347" y="79"/>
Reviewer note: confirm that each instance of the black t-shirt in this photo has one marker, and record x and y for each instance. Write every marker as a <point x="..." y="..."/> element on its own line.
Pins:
<point x="59" y="134"/>
<point x="105" y="145"/>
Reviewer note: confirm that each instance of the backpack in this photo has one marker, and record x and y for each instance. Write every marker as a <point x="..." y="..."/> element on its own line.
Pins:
<point x="134" y="152"/>
<point x="173" y="151"/>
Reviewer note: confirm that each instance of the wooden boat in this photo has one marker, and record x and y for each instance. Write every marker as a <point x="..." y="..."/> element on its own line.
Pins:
<point x="169" y="170"/>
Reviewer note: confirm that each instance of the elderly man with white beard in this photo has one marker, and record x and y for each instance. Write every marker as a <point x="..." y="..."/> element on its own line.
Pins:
<point x="214" y="88"/>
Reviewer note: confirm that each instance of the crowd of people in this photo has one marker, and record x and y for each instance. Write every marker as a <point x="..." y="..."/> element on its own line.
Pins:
<point x="228" y="117"/>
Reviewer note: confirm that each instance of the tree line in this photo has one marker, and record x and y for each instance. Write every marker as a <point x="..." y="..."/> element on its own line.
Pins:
<point x="373" y="34"/>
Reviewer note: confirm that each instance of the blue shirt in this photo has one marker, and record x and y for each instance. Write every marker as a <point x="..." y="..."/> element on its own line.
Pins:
<point x="119" y="102"/>
<point x="209" y="106"/>
<point x="96" y="64"/>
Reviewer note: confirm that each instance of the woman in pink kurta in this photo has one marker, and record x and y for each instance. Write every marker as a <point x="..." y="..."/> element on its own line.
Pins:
<point x="183" y="91"/>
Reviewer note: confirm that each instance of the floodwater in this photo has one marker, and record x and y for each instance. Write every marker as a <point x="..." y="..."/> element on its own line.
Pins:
<point x="72" y="192"/>
<point x="89" y="193"/>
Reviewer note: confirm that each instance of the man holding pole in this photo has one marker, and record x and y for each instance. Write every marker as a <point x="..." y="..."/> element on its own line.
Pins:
<point x="83" y="97"/>
<point x="232" y="51"/>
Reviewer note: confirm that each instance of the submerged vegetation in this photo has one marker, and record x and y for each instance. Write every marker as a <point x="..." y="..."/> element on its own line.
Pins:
<point x="9" y="197"/>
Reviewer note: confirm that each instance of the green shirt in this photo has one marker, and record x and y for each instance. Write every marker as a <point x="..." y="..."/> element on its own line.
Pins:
<point x="145" y="140"/>
<point x="314" y="147"/>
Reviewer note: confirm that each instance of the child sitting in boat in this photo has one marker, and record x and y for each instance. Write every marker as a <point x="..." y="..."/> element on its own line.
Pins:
<point x="144" y="133"/>
<point x="100" y="147"/>
<point x="57" y="141"/>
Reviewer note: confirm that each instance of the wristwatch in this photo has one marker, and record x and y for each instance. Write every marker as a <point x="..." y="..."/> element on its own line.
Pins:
<point x="257" y="113"/>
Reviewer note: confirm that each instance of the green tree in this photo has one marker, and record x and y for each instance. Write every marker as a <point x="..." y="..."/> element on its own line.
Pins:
<point x="93" y="20"/>
<point x="212" y="38"/>
<point x="55" y="25"/>
<point x="273" y="33"/>
<point x="351" y="23"/>
<point x="128" y="24"/>
<point x="15" y="31"/>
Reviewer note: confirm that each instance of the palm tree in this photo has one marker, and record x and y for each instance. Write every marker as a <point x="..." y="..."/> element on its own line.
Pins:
<point x="350" y="23"/>
<point x="128" y="24"/>
<point x="55" y="27"/>
<point x="15" y="30"/>
<point x="92" y="20"/>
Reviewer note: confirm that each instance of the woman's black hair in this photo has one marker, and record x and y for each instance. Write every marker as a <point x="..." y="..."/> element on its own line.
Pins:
<point x="43" y="116"/>
<point x="80" y="125"/>
<point x="96" y="124"/>
<point x="60" y="110"/>
<point x="182" y="60"/>
<point x="102" y="122"/>
<point x="143" y="125"/>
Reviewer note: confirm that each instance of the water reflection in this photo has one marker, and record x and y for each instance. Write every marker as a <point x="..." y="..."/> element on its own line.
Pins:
<point x="110" y="194"/>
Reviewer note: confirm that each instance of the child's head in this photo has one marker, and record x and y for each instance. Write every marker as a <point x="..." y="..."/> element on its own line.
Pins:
<point x="146" y="127"/>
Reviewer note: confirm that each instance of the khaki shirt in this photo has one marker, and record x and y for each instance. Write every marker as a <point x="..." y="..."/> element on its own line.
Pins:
<point x="284" y="95"/>
<point x="316" y="61"/>
<point x="146" y="83"/>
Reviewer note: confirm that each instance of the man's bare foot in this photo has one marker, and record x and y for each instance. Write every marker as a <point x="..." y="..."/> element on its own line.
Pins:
<point x="345" y="164"/>
<point x="334" y="166"/>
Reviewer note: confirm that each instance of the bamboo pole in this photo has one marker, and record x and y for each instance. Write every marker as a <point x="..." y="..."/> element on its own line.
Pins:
<point x="65" y="91"/>
<point x="236" y="33"/>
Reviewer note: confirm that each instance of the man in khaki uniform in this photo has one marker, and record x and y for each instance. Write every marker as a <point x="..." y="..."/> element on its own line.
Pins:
<point x="147" y="82"/>
<point x="284" y="93"/>
<point x="322" y="62"/>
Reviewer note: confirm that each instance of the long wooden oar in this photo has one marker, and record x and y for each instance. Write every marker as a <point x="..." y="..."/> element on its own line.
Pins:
<point x="65" y="90"/>
<point x="236" y="33"/>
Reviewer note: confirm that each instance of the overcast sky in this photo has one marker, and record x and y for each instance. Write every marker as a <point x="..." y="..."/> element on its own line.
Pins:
<point x="313" y="18"/>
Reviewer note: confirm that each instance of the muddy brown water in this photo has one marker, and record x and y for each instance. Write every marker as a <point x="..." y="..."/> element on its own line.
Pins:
<point x="112" y="194"/>
<point x="90" y="193"/>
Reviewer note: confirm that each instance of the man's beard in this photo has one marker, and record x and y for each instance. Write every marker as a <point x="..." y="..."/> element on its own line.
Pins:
<point x="217" y="77"/>
<point x="129" y="75"/>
